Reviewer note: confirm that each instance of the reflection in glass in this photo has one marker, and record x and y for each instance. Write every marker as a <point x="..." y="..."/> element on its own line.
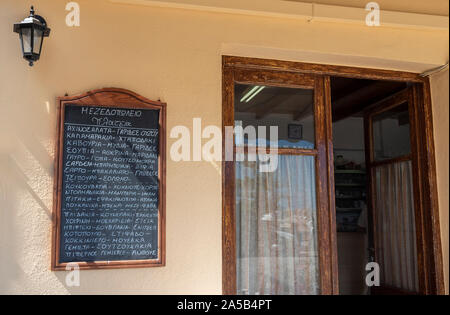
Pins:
<point x="391" y="133"/>
<point x="276" y="236"/>
<point x="291" y="109"/>
<point x="26" y="42"/>
<point x="37" y="41"/>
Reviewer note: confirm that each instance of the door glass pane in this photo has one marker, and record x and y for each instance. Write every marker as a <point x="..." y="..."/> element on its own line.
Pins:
<point x="291" y="110"/>
<point x="391" y="133"/>
<point x="395" y="226"/>
<point x="276" y="227"/>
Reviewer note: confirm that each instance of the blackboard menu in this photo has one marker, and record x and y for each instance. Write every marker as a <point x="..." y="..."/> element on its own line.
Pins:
<point x="109" y="195"/>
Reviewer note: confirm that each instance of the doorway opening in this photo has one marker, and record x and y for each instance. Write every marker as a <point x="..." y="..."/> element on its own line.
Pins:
<point x="373" y="225"/>
<point x="355" y="181"/>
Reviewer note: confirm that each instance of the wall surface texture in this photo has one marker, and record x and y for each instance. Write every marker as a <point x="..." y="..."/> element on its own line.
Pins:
<point x="174" y="55"/>
<point x="439" y="90"/>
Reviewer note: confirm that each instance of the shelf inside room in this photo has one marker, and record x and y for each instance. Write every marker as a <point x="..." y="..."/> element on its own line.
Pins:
<point x="350" y="186"/>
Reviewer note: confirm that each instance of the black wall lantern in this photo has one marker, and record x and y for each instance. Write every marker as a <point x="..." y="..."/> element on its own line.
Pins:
<point x="32" y="31"/>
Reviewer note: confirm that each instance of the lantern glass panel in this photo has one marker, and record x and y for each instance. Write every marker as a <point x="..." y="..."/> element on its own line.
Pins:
<point x="26" y="39"/>
<point x="37" y="41"/>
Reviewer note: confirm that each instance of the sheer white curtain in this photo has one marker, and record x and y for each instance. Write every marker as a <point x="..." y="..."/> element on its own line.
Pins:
<point x="276" y="237"/>
<point x="395" y="226"/>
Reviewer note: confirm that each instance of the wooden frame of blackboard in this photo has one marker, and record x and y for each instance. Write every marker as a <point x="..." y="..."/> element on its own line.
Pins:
<point x="108" y="97"/>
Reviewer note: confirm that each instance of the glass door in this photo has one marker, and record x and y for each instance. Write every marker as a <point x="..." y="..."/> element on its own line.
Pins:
<point x="393" y="227"/>
<point x="278" y="214"/>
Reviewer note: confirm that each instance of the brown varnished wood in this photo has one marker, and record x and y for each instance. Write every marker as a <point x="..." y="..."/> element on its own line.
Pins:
<point x="323" y="217"/>
<point x="108" y="97"/>
<point x="56" y="190"/>
<point x="280" y="151"/>
<point x="320" y="69"/>
<point x="331" y="187"/>
<point x="370" y="186"/>
<point x="228" y="192"/>
<point x="403" y="158"/>
<point x="418" y="193"/>
<point x="273" y="78"/>
<point x="390" y="102"/>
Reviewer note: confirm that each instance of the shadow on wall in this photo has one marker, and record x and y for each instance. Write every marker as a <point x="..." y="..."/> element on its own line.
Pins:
<point x="26" y="200"/>
<point x="26" y="172"/>
<point x="27" y="134"/>
<point x="19" y="223"/>
<point x="8" y="205"/>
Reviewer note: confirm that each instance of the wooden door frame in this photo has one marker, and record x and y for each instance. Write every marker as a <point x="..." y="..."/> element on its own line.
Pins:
<point x="424" y="155"/>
